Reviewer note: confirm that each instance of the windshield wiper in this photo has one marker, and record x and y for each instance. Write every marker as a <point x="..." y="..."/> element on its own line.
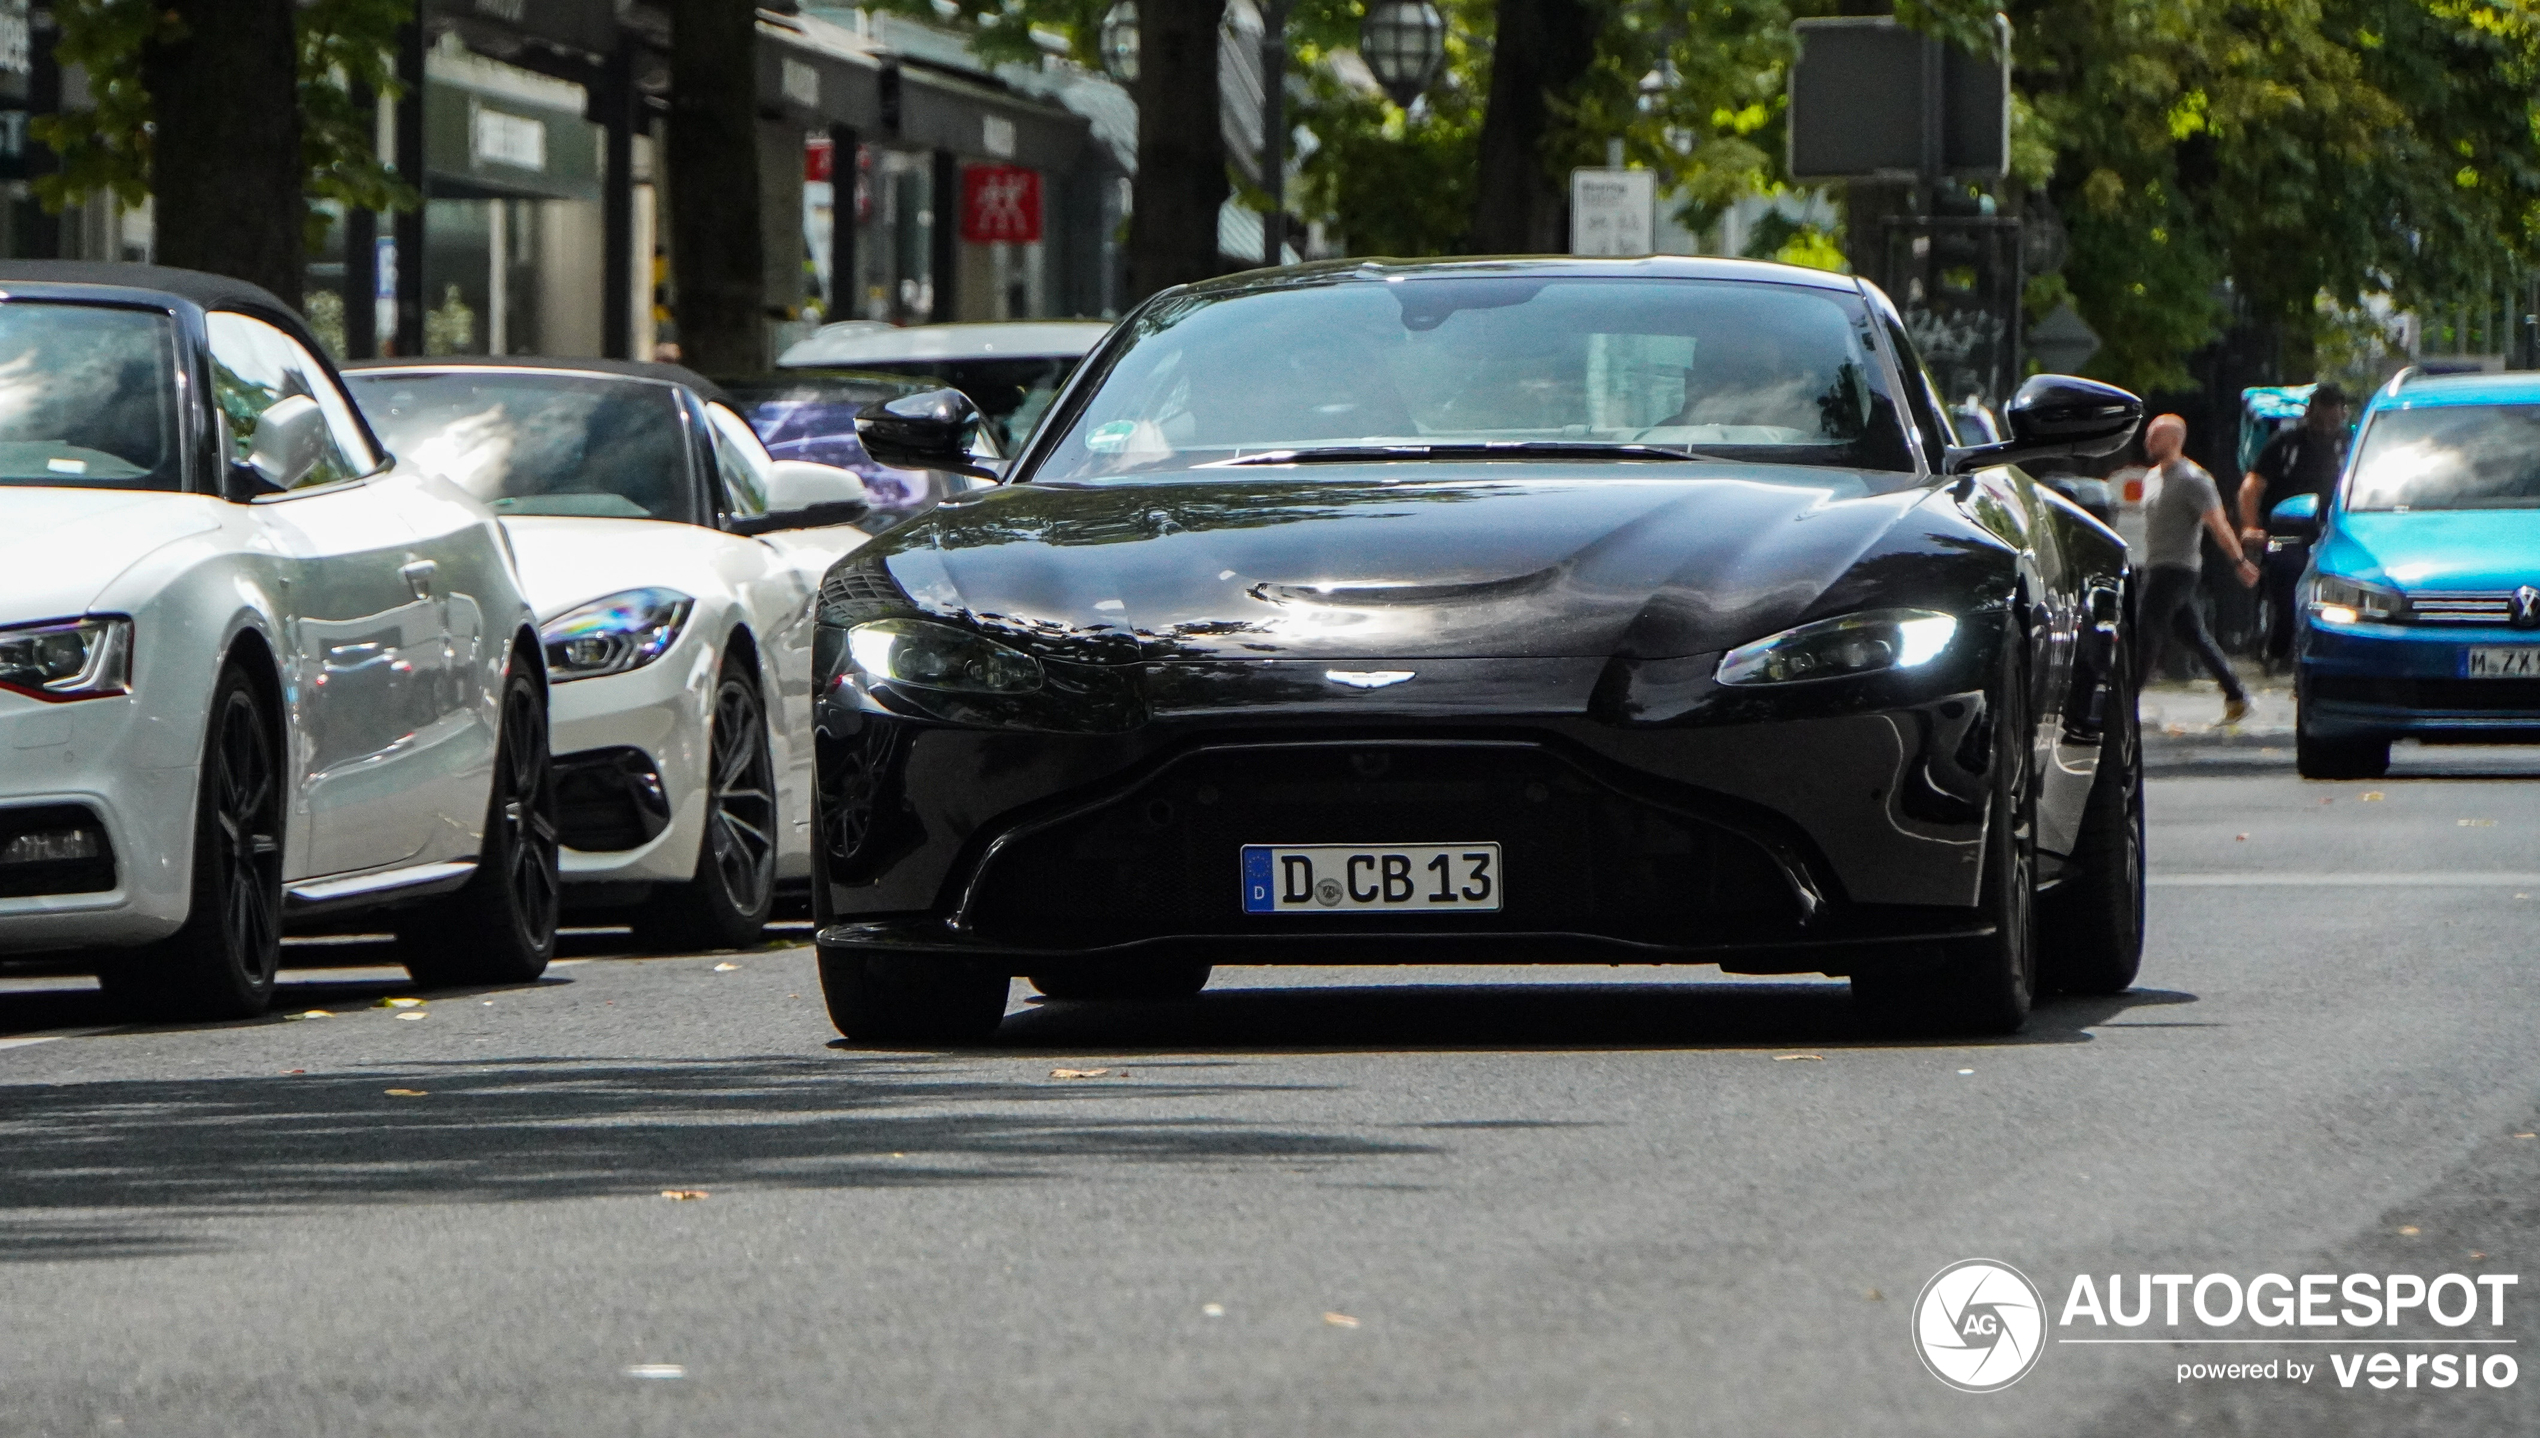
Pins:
<point x="1492" y="449"/>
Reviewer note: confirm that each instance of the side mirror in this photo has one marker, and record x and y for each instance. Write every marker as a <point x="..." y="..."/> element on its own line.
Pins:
<point x="932" y="430"/>
<point x="289" y="441"/>
<point x="2056" y="416"/>
<point x="2297" y="514"/>
<point x="804" y="495"/>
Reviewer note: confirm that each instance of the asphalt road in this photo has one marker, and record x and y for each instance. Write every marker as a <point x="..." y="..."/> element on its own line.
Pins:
<point x="1323" y="1202"/>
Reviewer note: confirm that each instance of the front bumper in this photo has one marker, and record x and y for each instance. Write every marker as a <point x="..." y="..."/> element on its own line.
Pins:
<point x="2384" y="681"/>
<point x="1759" y="846"/>
<point x="135" y="771"/>
<point x="658" y="711"/>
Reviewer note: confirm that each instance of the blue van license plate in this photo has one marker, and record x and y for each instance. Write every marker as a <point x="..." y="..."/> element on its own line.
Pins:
<point x="2502" y="661"/>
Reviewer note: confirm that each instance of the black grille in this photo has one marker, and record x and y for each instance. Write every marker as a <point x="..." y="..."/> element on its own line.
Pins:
<point x="28" y="834"/>
<point x="609" y="800"/>
<point x="2502" y="696"/>
<point x="1577" y="856"/>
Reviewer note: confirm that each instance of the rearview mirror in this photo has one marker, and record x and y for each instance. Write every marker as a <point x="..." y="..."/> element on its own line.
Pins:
<point x="2056" y="416"/>
<point x="932" y="430"/>
<point x="289" y="441"/>
<point x="804" y="495"/>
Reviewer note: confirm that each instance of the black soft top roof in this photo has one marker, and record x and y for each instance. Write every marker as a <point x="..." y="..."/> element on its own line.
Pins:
<point x="628" y="369"/>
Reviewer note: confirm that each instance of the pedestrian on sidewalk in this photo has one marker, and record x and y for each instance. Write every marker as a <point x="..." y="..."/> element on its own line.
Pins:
<point x="2184" y="502"/>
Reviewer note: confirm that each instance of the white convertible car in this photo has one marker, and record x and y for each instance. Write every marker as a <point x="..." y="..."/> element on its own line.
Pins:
<point x="253" y="671"/>
<point x="673" y="565"/>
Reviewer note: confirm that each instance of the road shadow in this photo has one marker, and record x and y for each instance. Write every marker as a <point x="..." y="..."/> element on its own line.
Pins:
<point x="91" y="1165"/>
<point x="1518" y="1016"/>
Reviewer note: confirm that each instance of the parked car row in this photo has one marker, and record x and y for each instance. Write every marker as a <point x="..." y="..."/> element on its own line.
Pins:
<point x="444" y="648"/>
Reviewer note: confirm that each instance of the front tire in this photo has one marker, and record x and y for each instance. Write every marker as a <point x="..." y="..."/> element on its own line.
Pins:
<point x="883" y="999"/>
<point x="726" y="904"/>
<point x="501" y="927"/>
<point x="221" y="964"/>
<point x="2091" y="939"/>
<point x="1984" y="985"/>
<point x="2318" y="757"/>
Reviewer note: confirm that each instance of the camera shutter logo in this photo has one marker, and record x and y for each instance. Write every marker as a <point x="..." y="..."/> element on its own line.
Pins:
<point x="1979" y="1325"/>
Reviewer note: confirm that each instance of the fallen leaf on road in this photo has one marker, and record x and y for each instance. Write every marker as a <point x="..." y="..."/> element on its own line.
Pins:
<point x="1077" y="1073"/>
<point x="1874" y="1295"/>
<point x="2174" y="730"/>
<point x="2239" y="838"/>
<point x="295" y="1071"/>
<point x="1964" y="1072"/>
<point x="1212" y="1310"/>
<point x="398" y="1004"/>
<point x="313" y="1014"/>
<point x="683" y="1195"/>
<point x="2478" y="823"/>
<point x="1340" y="1320"/>
<point x="2372" y="796"/>
<point x="1792" y="1058"/>
<point x="2527" y="1135"/>
<point x="2475" y="1256"/>
<point x="725" y="968"/>
<point x="414" y="1016"/>
<point x="656" y="1370"/>
<point x="407" y="1092"/>
<point x="2408" y="1230"/>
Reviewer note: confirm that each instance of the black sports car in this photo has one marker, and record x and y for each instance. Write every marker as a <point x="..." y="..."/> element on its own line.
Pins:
<point x="1511" y="610"/>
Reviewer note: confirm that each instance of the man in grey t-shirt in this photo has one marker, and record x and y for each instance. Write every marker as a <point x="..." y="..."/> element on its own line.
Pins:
<point x="2185" y="502"/>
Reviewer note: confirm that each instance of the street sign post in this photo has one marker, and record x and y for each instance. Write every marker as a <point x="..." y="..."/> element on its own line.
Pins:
<point x="1613" y="212"/>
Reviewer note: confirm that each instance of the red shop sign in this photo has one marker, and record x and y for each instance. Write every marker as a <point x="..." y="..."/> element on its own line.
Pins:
<point x="1000" y="202"/>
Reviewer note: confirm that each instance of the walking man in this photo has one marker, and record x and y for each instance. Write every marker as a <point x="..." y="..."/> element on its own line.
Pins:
<point x="2305" y="459"/>
<point x="2186" y="502"/>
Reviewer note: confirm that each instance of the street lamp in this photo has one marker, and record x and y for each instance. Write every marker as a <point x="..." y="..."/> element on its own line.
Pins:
<point x="1403" y="43"/>
<point x="1119" y="40"/>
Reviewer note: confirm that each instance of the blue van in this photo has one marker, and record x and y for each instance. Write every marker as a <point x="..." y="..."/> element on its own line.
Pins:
<point x="2420" y="610"/>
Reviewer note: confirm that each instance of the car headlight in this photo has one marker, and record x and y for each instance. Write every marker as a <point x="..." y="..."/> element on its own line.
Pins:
<point x="2346" y="601"/>
<point x="68" y="658"/>
<point x="939" y="656"/>
<point x="615" y="634"/>
<point x="1846" y="644"/>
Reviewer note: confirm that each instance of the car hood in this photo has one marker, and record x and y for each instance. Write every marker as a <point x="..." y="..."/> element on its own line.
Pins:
<point x="2437" y="549"/>
<point x="61" y="548"/>
<point x="1531" y="561"/>
<point x="569" y="561"/>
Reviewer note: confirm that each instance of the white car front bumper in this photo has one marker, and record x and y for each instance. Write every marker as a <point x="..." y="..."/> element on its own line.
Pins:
<point x="661" y="710"/>
<point x="134" y="772"/>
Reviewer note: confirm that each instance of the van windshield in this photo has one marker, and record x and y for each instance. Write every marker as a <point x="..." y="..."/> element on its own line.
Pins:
<point x="2469" y="456"/>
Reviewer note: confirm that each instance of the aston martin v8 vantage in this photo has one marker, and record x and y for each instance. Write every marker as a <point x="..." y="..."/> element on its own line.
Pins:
<point x="1486" y="611"/>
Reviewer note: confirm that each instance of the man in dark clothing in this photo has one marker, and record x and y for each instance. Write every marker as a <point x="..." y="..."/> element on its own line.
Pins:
<point x="2305" y="459"/>
<point x="2180" y="512"/>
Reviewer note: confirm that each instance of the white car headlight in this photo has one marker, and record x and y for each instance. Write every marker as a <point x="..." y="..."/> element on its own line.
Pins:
<point x="1846" y="644"/>
<point x="939" y="656"/>
<point x="615" y="634"/>
<point x="68" y="658"/>
<point x="2346" y="601"/>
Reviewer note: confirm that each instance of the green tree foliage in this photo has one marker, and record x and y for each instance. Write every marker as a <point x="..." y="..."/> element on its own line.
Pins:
<point x="343" y="44"/>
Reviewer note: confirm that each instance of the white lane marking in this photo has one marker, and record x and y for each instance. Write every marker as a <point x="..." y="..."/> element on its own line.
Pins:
<point x="48" y="1035"/>
<point x="2465" y="879"/>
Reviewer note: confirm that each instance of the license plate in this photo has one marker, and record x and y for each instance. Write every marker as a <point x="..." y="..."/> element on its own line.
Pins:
<point x="1359" y="878"/>
<point x="2502" y="661"/>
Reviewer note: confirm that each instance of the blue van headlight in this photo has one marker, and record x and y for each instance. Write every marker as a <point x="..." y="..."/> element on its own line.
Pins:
<point x="2348" y="601"/>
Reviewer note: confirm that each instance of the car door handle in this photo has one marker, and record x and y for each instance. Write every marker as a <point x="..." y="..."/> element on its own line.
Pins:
<point x="419" y="577"/>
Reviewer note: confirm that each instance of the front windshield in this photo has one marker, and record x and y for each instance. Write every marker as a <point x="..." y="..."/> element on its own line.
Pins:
<point x="594" y="446"/>
<point x="1734" y="369"/>
<point x="2483" y="456"/>
<point x="88" y="397"/>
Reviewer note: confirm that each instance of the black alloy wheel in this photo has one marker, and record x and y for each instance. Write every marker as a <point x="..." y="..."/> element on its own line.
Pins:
<point x="500" y="928"/>
<point x="221" y="964"/>
<point x="726" y="903"/>
<point x="2090" y="938"/>
<point x="1149" y="982"/>
<point x="1983" y="985"/>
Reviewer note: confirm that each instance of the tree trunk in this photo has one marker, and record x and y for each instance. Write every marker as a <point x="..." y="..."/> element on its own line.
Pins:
<point x="1181" y="151"/>
<point x="225" y="165"/>
<point x="1542" y="49"/>
<point x="717" y="255"/>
